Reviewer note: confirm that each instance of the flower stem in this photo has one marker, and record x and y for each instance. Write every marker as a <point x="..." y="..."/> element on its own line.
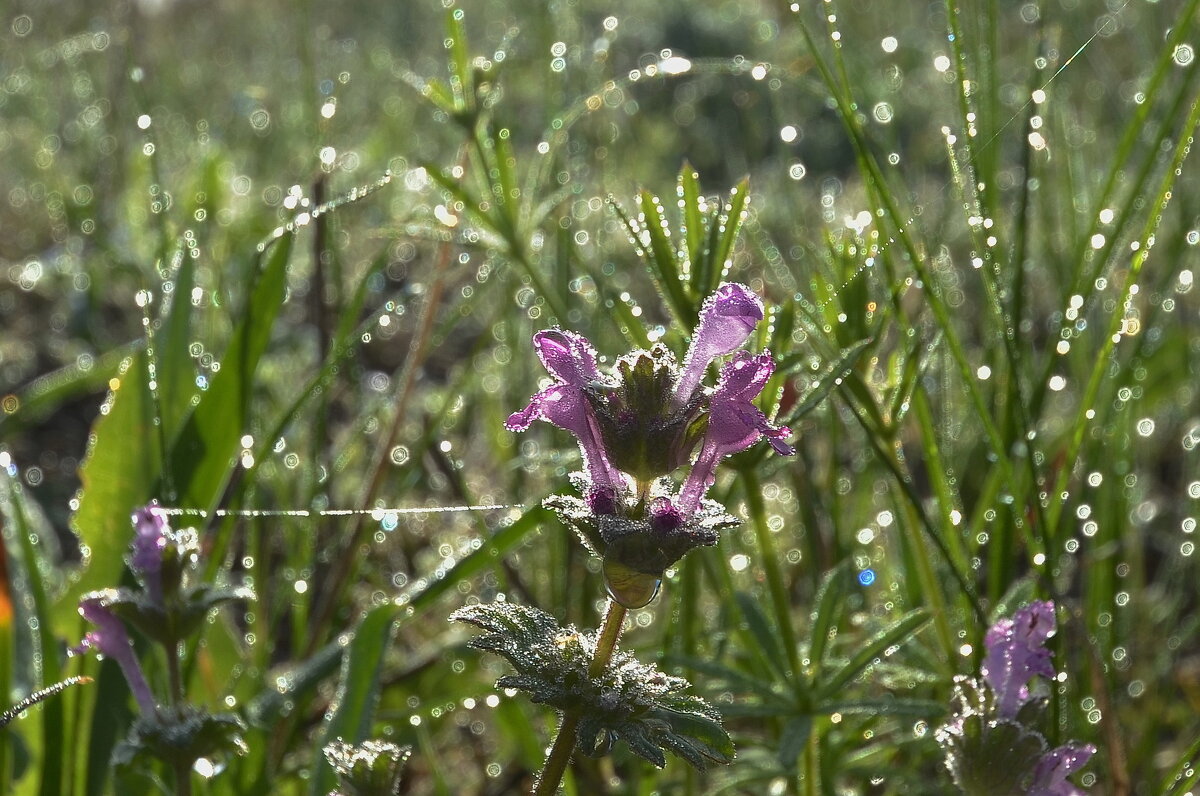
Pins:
<point x="174" y="675"/>
<point x="564" y="742"/>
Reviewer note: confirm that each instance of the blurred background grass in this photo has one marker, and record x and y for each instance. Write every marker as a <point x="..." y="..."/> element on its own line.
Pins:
<point x="948" y="257"/>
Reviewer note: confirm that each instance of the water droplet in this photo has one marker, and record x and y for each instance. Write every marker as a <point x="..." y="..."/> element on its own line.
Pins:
<point x="627" y="586"/>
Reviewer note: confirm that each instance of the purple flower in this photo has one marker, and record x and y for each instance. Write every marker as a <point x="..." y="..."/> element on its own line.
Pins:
<point x="1050" y="774"/>
<point x="112" y="641"/>
<point x="646" y="419"/>
<point x="726" y="320"/>
<point x="570" y="359"/>
<point x="149" y="541"/>
<point x="734" y="423"/>
<point x="1016" y="652"/>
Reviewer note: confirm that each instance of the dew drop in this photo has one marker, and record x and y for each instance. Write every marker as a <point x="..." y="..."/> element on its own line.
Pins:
<point x="627" y="586"/>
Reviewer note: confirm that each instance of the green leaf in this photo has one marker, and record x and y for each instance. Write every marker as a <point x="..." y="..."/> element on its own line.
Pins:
<point x="693" y="218"/>
<point x="729" y="226"/>
<point x="895" y="634"/>
<point x="792" y="740"/>
<point x="831" y="377"/>
<point x="352" y="710"/>
<point x="766" y="638"/>
<point x="45" y="666"/>
<point x="42" y="396"/>
<point x="123" y="462"/>
<point x="174" y="370"/>
<point x="734" y="679"/>
<point x="203" y="456"/>
<point x="655" y="239"/>
<point x="829" y="607"/>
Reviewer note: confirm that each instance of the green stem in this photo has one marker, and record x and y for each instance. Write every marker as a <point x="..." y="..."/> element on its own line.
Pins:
<point x="564" y="742"/>
<point x="174" y="675"/>
<point x="183" y="779"/>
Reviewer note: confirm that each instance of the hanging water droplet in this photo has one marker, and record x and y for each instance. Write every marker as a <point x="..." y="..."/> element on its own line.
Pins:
<point x="629" y="587"/>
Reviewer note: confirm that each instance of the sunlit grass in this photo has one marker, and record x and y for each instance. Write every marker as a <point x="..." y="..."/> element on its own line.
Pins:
<point x="975" y="222"/>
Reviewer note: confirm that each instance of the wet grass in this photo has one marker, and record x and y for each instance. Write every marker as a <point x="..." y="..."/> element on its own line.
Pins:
<point x="976" y="225"/>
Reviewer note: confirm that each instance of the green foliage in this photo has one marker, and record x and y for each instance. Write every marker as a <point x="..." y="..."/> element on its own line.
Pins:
<point x="628" y="700"/>
<point x="982" y="330"/>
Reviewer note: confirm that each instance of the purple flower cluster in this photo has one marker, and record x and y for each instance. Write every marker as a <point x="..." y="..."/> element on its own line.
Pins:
<point x="994" y="720"/>
<point x="645" y="419"/>
<point x="1016" y="653"/>
<point x="600" y="413"/>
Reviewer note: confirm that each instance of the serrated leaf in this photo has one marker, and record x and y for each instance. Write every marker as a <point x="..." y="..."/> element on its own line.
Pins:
<point x="627" y="700"/>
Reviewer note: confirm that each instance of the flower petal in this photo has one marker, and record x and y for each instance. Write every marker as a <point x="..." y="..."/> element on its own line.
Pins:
<point x="149" y="540"/>
<point x="567" y="356"/>
<point x="734" y="423"/>
<point x="1016" y="653"/>
<point x="726" y="320"/>
<point x="1050" y="774"/>
<point x="111" y="640"/>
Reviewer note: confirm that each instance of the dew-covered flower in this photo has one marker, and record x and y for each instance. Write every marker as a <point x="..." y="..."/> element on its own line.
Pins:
<point x="734" y="422"/>
<point x="993" y="742"/>
<point x="1016" y="652"/>
<point x="571" y="360"/>
<point x="150" y="529"/>
<point x="644" y="421"/>
<point x="1050" y="773"/>
<point x="726" y="320"/>
<point x="110" y="639"/>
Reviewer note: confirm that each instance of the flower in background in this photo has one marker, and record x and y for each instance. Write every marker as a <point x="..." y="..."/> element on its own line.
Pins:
<point x="150" y="530"/>
<point x="644" y="421"/>
<point x="1016" y="653"/>
<point x="111" y="640"/>
<point x="170" y="605"/>
<point x="993" y="743"/>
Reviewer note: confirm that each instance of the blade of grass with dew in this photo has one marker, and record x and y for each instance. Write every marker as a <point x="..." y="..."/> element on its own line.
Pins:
<point x="1096" y="379"/>
<point x="45" y="667"/>
<point x="122" y="465"/>
<point x="175" y="373"/>
<point x="204" y="454"/>
<point x="724" y="231"/>
<point x="653" y="233"/>
<point x="351" y="712"/>
<point x="45" y="394"/>
<point x="895" y="634"/>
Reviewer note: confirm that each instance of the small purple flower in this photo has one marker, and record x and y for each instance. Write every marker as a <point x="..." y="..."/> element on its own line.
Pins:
<point x="112" y="641"/>
<point x="149" y="541"/>
<point x="734" y="423"/>
<point x="643" y="422"/>
<point x="1050" y="774"/>
<point x="726" y="320"/>
<point x="1016" y="652"/>
<point x="570" y="358"/>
